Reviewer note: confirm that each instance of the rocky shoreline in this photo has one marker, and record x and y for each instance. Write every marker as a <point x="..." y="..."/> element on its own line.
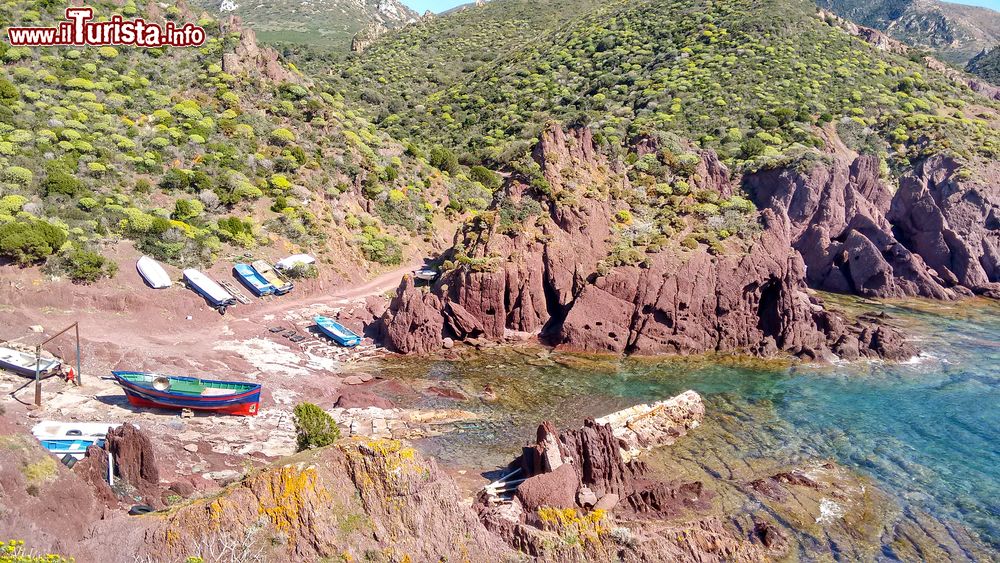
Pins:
<point x="546" y="280"/>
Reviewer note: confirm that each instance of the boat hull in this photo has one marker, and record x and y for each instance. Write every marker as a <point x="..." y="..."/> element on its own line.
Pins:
<point x="213" y="293"/>
<point x="152" y="273"/>
<point x="22" y="363"/>
<point x="252" y="280"/>
<point x="337" y="332"/>
<point x="245" y="403"/>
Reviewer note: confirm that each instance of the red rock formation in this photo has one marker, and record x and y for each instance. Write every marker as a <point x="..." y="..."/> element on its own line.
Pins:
<point x="251" y="58"/>
<point x="544" y="278"/>
<point x="930" y="238"/>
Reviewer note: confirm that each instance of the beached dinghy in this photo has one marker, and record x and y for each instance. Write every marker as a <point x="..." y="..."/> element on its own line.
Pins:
<point x="153" y="273"/>
<point x="338" y="332"/>
<point x="23" y="363"/>
<point x="281" y="285"/>
<point x="73" y="438"/>
<point x="254" y="281"/>
<point x="207" y="288"/>
<point x="145" y="389"/>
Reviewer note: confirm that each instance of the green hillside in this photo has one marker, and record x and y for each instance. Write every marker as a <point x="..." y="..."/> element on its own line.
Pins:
<point x="164" y="148"/>
<point x="986" y="65"/>
<point x="753" y="79"/>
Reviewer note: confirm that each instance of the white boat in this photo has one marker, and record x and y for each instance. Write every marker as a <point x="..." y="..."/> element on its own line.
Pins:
<point x="73" y="438"/>
<point x="153" y="273"/>
<point x="426" y="274"/>
<point x="294" y="260"/>
<point x="207" y="288"/>
<point x="23" y="363"/>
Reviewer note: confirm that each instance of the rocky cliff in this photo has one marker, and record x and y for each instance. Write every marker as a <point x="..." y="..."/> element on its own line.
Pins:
<point x="933" y="236"/>
<point x="551" y="277"/>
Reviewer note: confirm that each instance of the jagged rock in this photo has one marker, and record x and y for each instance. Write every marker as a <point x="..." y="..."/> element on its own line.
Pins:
<point x="546" y="278"/>
<point x="368" y="35"/>
<point x="461" y="322"/>
<point x="251" y="58"/>
<point x="556" y="489"/>
<point x="413" y="323"/>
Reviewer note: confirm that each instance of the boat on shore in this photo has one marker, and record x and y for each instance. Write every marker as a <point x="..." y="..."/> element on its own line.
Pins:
<point x="206" y="287"/>
<point x="252" y="280"/>
<point x="24" y="363"/>
<point x="153" y="273"/>
<point x="73" y="438"/>
<point x="271" y="276"/>
<point x="145" y="389"/>
<point x="294" y="260"/>
<point x="338" y="332"/>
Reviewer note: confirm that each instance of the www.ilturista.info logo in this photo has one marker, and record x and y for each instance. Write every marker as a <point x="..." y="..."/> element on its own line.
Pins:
<point x="79" y="29"/>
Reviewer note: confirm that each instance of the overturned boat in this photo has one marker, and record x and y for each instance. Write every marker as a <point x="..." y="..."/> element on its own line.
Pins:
<point x="25" y="363"/>
<point x="145" y="389"/>
<point x="338" y="332"/>
<point x="293" y="261"/>
<point x="153" y="273"/>
<point x="253" y="280"/>
<point x="266" y="271"/>
<point x="212" y="292"/>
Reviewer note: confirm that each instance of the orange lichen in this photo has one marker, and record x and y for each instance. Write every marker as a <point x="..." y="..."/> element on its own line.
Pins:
<point x="289" y="491"/>
<point x="569" y="523"/>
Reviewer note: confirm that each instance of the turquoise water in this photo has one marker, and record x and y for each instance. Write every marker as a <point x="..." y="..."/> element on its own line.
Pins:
<point x="927" y="431"/>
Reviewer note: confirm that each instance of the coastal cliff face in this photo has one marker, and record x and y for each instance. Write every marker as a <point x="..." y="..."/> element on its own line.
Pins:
<point x="551" y="277"/>
<point x="934" y="236"/>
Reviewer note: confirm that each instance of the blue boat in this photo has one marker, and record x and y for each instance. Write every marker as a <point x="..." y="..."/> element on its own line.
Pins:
<point x="253" y="280"/>
<point x="145" y="389"/>
<point x="72" y="446"/>
<point x="338" y="332"/>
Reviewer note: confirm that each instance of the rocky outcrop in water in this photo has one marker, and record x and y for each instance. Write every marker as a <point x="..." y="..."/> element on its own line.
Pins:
<point x="545" y="279"/>
<point x="578" y="482"/>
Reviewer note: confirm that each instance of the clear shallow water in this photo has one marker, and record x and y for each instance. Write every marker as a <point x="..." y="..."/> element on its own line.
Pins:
<point x="927" y="431"/>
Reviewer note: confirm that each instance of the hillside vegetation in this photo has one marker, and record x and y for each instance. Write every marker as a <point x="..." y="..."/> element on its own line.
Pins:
<point x="752" y="79"/>
<point x="162" y="147"/>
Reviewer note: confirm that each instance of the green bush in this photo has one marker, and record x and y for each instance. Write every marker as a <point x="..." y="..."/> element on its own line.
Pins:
<point x="85" y="266"/>
<point x="29" y="242"/>
<point x="303" y="271"/>
<point x="314" y="428"/>
<point x="187" y="209"/>
<point x="444" y="160"/>
<point x="485" y="176"/>
<point x="59" y="182"/>
<point x="380" y="248"/>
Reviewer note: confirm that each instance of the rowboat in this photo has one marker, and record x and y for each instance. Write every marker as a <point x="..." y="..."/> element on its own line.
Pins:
<point x="254" y="281"/>
<point x="144" y="389"/>
<point x="281" y="285"/>
<point x="338" y="332"/>
<point x="294" y="260"/>
<point x="73" y="438"/>
<point x="23" y="363"/>
<point x="207" y="288"/>
<point x="153" y="273"/>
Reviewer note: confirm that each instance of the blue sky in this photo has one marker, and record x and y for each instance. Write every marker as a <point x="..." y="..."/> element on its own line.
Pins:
<point x="438" y="6"/>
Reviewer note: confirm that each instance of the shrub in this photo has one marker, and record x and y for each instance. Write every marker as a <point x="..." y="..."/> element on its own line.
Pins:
<point x="314" y="427"/>
<point x="85" y="266"/>
<point x="59" y="182"/>
<point x="303" y="271"/>
<point x="8" y="92"/>
<point x="30" y="242"/>
<point x="282" y="136"/>
<point x="187" y="209"/>
<point x="17" y="175"/>
<point x="444" y="160"/>
<point x="485" y="176"/>
<point x="380" y="248"/>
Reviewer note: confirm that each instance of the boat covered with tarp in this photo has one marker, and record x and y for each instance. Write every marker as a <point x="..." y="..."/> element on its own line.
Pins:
<point x="146" y="389"/>
<point x="252" y="280"/>
<point x="338" y="332"/>
<point x="25" y="363"/>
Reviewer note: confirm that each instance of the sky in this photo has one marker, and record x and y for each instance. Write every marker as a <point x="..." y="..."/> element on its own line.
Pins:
<point x="438" y="6"/>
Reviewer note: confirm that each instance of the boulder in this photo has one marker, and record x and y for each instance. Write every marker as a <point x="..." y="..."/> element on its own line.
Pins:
<point x="556" y="489"/>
